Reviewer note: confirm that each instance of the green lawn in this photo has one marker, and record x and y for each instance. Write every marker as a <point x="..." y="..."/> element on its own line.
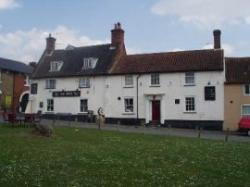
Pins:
<point x="101" y="158"/>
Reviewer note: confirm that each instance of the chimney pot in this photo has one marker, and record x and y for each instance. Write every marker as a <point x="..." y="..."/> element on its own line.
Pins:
<point x="117" y="35"/>
<point x="217" y="39"/>
<point x="51" y="43"/>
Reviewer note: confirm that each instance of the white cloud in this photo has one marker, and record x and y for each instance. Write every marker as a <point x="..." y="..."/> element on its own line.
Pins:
<point x="131" y="51"/>
<point x="228" y="49"/>
<point x="8" y="4"/>
<point x="28" y="45"/>
<point x="206" y="13"/>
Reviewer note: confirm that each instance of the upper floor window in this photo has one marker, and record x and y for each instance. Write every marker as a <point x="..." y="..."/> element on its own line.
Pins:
<point x="50" y="84"/>
<point x="33" y="89"/>
<point x="247" y="89"/>
<point x="26" y="81"/>
<point x="210" y="94"/>
<point x="129" y="80"/>
<point x="84" y="82"/>
<point x="155" y="79"/>
<point x="189" y="78"/>
<point x="56" y="65"/>
<point x="89" y="63"/>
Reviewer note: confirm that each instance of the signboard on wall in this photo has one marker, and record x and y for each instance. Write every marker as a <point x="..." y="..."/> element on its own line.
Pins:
<point x="75" y="93"/>
<point x="8" y="101"/>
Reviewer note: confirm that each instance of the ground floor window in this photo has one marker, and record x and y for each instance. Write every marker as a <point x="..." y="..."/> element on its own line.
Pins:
<point x="50" y="105"/>
<point x="190" y="104"/>
<point x="83" y="105"/>
<point x="245" y="111"/>
<point x="129" y="104"/>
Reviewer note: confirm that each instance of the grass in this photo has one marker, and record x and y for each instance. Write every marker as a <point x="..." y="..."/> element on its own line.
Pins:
<point x="84" y="157"/>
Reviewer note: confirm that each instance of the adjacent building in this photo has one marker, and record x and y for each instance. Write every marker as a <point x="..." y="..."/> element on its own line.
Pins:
<point x="14" y="85"/>
<point x="180" y="89"/>
<point x="237" y="91"/>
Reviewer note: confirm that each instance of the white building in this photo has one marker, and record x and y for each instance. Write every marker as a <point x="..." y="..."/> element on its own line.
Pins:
<point x="181" y="89"/>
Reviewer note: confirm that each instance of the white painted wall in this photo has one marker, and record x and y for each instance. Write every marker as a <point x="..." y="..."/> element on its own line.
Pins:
<point x="94" y="94"/>
<point x="105" y="91"/>
<point x="171" y="87"/>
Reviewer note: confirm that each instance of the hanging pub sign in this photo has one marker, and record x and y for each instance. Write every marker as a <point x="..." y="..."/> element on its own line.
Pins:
<point x="74" y="93"/>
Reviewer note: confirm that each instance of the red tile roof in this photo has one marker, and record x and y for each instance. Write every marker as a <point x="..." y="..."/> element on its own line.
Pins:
<point x="198" y="60"/>
<point x="237" y="70"/>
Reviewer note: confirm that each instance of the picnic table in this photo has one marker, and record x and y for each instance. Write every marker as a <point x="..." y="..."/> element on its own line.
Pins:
<point x="21" y="118"/>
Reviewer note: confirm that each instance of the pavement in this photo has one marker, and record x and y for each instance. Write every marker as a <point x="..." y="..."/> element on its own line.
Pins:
<point x="191" y="133"/>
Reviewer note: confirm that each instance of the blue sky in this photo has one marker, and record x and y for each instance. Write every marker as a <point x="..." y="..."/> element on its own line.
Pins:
<point x="150" y="25"/>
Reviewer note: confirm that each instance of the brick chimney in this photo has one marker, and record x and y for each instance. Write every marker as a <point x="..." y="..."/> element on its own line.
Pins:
<point x="117" y="35"/>
<point x="217" y="39"/>
<point x="51" y="43"/>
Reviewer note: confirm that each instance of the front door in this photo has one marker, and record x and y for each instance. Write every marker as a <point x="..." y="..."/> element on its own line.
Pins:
<point x="24" y="102"/>
<point x="156" y="112"/>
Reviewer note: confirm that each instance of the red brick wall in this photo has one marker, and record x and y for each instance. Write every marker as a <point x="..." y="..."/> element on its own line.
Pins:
<point x="19" y="88"/>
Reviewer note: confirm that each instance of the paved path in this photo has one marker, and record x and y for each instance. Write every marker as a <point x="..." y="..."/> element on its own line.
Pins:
<point x="213" y="135"/>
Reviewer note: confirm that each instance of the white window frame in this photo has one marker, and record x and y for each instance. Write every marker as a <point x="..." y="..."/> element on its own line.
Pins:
<point x="188" y="75"/>
<point x="84" y="82"/>
<point x="129" y="81"/>
<point x="89" y="63"/>
<point x="244" y="115"/>
<point x="244" y="89"/>
<point x="152" y="78"/>
<point x="50" y="106"/>
<point x="48" y="84"/>
<point x="185" y="104"/>
<point x="55" y="66"/>
<point x="31" y="88"/>
<point x="125" y="105"/>
<point x="27" y="81"/>
<point x="82" y="107"/>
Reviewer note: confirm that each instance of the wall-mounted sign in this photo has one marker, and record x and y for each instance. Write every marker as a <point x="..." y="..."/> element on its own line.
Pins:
<point x="8" y="101"/>
<point x="75" y="93"/>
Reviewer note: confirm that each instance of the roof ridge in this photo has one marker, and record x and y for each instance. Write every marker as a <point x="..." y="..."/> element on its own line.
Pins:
<point x="245" y="57"/>
<point x="175" y="52"/>
<point x="89" y="46"/>
<point x="1" y="58"/>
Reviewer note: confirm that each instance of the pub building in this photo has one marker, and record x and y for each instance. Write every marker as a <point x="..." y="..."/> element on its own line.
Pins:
<point x="178" y="89"/>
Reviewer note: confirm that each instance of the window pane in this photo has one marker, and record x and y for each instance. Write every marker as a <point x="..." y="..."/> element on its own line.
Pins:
<point x="129" y="105"/>
<point x="34" y="88"/>
<point x="128" y="80"/>
<point x="84" y="105"/>
<point x="210" y="94"/>
<point x="50" y="105"/>
<point x="155" y="79"/>
<point x="247" y="89"/>
<point x="189" y="78"/>
<point x="246" y="110"/>
<point x="84" y="82"/>
<point x="50" y="84"/>
<point x="190" y="104"/>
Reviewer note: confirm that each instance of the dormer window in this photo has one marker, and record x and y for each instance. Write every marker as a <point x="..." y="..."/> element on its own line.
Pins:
<point x="89" y="63"/>
<point x="56" y="65"/>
